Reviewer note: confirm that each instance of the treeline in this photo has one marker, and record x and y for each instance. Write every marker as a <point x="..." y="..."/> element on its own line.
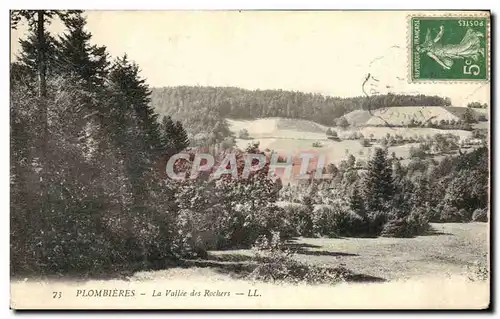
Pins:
<point x="477" y="105"/>
<point x="383" y="197"/>
<point x="199" y="108"/>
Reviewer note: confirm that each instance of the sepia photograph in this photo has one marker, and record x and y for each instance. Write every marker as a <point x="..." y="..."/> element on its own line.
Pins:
<point x="250" y="159"/>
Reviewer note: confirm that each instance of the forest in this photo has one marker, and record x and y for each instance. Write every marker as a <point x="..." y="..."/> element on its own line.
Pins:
<point x="89" y="141"/>
<point x="201" y="107"/>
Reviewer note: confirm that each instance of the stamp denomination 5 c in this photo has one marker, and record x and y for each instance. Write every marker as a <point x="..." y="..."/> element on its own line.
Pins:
<point x="449" y="48"/>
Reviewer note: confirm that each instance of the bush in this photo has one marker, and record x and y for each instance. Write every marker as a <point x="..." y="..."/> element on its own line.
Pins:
<point x="417" y="152"/>
<point x="335" y="221"/>
<point x="243" y="134"/>
<point x="395" y="228"/>
<point x="342" y="122"/>
<point x="218" y="228"/>
<point x="299" y="217"/>
<point x="277" y="264"/>
<point x="465" y="215"/>
<point x="317" y="144"/>
<point x="479" y="270"/>
<point x="364" y="142"/>
<point x="480" y="215"/>
<point x="416" y="223"/>
<point x="375" y="222"/>
<point x="450" y="214"/>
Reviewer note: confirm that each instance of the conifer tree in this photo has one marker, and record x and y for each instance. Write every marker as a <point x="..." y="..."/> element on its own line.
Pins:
<point x="168" y="130"/>
<point x="356" y="201"/>
<point x="28" y="54"/>
<point x="76" y="56"/>
<point x="134" y="94"/>
<point x="181" y="137"/>
<point x="37" y="21"/>
<point x="378" y="185"/>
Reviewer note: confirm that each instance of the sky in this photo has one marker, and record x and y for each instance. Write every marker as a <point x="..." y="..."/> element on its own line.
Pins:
<point x="327" y="52"/>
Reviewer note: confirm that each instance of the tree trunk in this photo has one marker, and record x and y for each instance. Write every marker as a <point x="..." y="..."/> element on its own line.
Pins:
<point x="42" y="109"/>
<point x="42" y="85"/>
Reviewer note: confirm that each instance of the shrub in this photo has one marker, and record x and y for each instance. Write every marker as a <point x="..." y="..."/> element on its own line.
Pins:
<point x="243" y="134"/>
<point x="364" y="142"/>
<point x="395" y="228"/>
<point x="416" y="152"/>
<point x="465" y="215"/>
<point x="480" y="215"/>
<point x="375" y="222"/>
<point x="277" y="264"/>
<point x="330" y="132"/>
<point x="299" y="216"/>
<point x="416" y="223"/>
<point x="383" y="142"/>
<point x="450" y="214"/>
<point x="332" y="135"/>
<point x="335" y="221"/>
<point x="228" y="143"/>
<point x="342" y="122"/>
<point x="199" y="231"/>
<point x="317" y="144"/>
<point x="217" y="228"/>
<point x="479" y="270"/>
<point x="264" y="222"/>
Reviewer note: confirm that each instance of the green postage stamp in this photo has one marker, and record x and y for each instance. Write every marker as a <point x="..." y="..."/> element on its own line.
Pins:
<point x="449" y="48"/>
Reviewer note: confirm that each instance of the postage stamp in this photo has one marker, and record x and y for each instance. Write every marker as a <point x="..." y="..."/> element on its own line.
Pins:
<point x="449" y="48"/>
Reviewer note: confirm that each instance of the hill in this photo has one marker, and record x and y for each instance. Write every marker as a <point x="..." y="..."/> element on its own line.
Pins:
<point x="202" y="108"/>
<point x="289" y="136"/>
<point x="404" y="115"/>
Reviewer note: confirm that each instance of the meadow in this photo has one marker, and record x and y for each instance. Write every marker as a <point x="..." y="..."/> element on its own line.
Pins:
<point x="435" y="270"/>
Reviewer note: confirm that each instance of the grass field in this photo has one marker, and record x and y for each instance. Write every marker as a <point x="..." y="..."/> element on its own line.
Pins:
<point x="447" y="251"/>
<point x="294" y="136"/>
<point x="426" y="271"/>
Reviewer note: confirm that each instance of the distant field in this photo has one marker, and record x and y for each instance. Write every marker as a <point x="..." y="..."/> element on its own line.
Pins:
<point x="279" y="128"/>
<point x="295" y="136"/>
<point x="414" y="132"/>
<point x="403" y="115"/>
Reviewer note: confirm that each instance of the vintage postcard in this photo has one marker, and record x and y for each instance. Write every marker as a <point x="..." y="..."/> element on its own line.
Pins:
<point x="250" y="159"/>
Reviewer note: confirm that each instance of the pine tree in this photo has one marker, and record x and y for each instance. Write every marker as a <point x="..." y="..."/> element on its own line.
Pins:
<point x="133" y="125"/>
<point x="174" y="136"/>
<point x="76" y="56"/>
<point x="37" y="21"/>
<point x="356" y="201"/>
<point x="168" y="134"/>
<point x="135" y="96"/>
<point x="181" y="137"/>
<point x="28" y="55"/>
<point x="378" y="185"/>
<point x="135" y="131"/>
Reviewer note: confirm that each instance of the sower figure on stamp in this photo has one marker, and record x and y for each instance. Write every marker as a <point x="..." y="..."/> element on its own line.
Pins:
<point x="468" y="48"/>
